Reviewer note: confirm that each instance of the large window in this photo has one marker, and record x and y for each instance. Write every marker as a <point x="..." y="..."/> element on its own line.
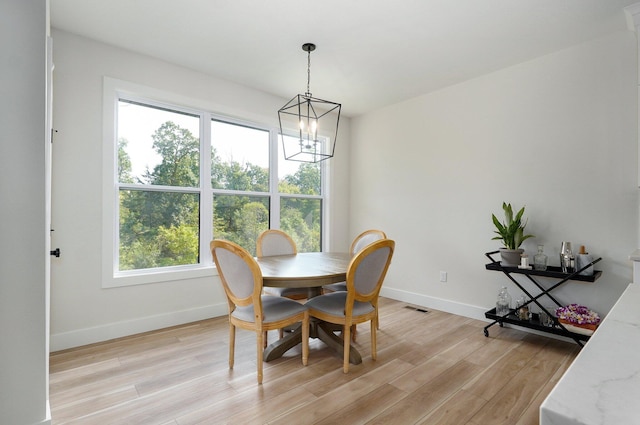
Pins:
<point x="158" y="174"/>
<point x="240" y="182"/>
<point x="185" y="176"/>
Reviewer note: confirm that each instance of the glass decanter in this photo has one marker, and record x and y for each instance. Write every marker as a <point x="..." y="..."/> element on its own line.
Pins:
<point x="540" y="259"/>
<point x="503" y="304"/>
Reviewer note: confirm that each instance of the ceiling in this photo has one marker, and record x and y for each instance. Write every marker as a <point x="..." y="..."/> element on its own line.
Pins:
<point x="371" y="53"/>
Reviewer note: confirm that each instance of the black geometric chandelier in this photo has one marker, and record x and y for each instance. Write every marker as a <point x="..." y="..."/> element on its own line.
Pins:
<point x="308" y="125"/>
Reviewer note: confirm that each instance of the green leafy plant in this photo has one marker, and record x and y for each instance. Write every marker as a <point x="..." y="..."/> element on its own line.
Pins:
<point x="511" y="231"/>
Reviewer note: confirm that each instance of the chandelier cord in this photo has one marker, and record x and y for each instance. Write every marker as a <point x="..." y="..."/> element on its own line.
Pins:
<point x="308" y="93"/>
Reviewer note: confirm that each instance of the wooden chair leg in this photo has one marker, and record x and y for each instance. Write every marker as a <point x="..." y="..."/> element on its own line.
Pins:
<point x="354" y="330"/>
<point x="374" y="347"/>
<point x="259" y="355"/>
<point x="346" y="338"/>
<point x="305" y="338"/>
<point x="232" y="343"/>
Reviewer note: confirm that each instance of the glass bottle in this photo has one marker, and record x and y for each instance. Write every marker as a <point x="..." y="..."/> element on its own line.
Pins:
<point x="522" y="310"/>
<point x="540" y="259"/>
<point x="503" y="304"/>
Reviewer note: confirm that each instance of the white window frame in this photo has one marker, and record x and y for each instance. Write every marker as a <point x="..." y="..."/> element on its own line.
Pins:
<point x="113" y="90"/>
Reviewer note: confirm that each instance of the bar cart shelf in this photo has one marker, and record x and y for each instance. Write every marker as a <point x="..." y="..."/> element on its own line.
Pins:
<point x="533" y="323"/>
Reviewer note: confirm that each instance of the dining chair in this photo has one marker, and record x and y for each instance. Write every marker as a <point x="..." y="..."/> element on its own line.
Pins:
<point x="359" y="242"/>
<point x="276" y="242"/>
<point x="248" y="307"/>
<point x="359" y="303"/>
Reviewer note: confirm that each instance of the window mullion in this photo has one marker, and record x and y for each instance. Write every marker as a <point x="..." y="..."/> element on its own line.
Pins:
<point x="206" y="195"/>
<point x="274" y="210"/>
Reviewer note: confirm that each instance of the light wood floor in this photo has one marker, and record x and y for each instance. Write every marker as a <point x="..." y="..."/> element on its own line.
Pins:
<point x="432" y="368"/>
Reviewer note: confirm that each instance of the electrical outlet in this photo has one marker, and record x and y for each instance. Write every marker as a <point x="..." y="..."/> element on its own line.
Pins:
<point x="443" y="276"/>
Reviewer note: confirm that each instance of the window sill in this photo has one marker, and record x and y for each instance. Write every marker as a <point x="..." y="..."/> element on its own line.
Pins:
<point x="143" y="277"/>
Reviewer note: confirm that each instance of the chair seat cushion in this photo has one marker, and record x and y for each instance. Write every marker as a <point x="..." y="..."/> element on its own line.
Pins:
<point x="334" y="303"/>
<point x="335" y="287"/>
<point x="273" y="309"/>
<point x="285" y="292"/>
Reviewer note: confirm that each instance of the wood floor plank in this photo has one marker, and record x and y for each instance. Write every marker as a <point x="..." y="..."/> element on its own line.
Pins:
<point x="531" y="415"/>
<point x="345" y="395"/>
<point x="335" y="378"/>
<point x="268" y="410"/>
<point x="432" y="368"/>
<point x="494" y="379"/>
<point x="508" y="405"/>
<point x="366" y="407"/>
<point x="77" y="373"/>
<point x="161" y="407"/>
<point x="88" y="405"/>
<point x="423" y="373"/>
<point x="456" y="410"/>
<point x="92" y="386"/>
<point x="420" y="402"/>
<point x="495" y="348"/>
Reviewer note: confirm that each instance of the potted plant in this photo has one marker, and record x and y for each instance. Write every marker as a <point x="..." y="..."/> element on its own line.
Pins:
<point x="511" y="233"/>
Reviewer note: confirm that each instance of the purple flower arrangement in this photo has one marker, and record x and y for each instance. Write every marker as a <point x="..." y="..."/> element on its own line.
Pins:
<point x="578" y="315"/>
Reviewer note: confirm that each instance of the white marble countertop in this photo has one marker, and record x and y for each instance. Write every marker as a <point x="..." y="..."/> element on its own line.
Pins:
<point x="602" y="385"/>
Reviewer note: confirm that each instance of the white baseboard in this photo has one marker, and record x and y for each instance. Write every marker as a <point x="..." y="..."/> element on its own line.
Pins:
<point x="47" y="419"/>
<point x="448" y="306"/>
<point x="76" y="338"/>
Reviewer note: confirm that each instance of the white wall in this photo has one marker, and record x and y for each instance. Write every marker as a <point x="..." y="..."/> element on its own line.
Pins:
<point x="81" y="310"/>
<point x="557" y="134"/>
<point x="23" y="291"/>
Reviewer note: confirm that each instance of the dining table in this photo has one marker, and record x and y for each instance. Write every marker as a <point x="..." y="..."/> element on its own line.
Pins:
<point x="310" y="270"/>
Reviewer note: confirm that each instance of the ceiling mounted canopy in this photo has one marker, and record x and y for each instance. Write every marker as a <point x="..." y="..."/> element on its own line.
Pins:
<point x="308" y="125"/>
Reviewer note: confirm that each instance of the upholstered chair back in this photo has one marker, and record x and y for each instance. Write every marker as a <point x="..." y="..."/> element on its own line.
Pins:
<point x="369" y="273"/>
<point x="275" y="242"/>
<point x="366" y="238"/>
